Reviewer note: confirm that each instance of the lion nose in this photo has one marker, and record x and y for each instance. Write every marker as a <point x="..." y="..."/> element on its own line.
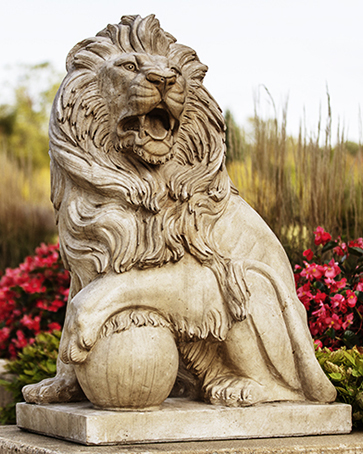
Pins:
<point x="161" y="80"/>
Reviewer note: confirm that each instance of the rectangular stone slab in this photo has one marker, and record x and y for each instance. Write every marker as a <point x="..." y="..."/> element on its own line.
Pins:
<point x="182" y="420"/>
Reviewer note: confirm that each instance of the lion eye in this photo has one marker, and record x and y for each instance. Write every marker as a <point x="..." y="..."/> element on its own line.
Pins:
<point x="175" y="70"/>
<point x="130" y="67"/>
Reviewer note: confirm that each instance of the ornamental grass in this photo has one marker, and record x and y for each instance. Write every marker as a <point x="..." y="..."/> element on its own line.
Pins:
<point x="298" y="183"/>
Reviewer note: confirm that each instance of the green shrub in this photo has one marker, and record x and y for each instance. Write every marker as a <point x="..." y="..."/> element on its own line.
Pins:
<point x="35" y="363"/>
<point x="345" y="370"/>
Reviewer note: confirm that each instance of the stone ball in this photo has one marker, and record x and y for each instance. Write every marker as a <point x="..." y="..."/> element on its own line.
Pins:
<point x="130" y="370"/>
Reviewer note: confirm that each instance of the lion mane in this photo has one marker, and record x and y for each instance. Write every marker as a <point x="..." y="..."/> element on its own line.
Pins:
<point x="116" y="211"/>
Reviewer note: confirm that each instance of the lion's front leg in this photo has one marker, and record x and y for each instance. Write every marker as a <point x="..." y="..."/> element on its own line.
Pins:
<point x="171" y="289"/>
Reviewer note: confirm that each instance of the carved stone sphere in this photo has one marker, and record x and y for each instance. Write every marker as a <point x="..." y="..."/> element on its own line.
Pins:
<point x="130" y="370"/>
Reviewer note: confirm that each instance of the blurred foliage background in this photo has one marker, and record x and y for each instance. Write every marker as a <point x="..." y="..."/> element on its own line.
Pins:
<point x="26" y="214"/>
<point x="297" y="183"/>
<point x="294" y="183"/>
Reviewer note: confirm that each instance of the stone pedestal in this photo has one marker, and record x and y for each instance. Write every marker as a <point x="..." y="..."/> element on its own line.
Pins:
<point x="182" y="420"/>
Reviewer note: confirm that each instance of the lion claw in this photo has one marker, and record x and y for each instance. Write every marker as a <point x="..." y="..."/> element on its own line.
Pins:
<point x="52" y="390"/>
<point x="233" y="391"/>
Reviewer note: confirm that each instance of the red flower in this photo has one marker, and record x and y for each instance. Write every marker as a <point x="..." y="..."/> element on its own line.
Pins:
<point x="20" y="341"/>
<point x="308" y="254"/>
<point x="33" y="297"/>
<point x="340" y="250"/>
<point x="54" y="326"/>
<point x="356" y="243"/>
<point x="321" y="237"/>
<point x="320" y="297"/>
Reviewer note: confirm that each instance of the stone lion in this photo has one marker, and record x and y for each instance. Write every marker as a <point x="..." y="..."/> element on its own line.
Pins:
<point x="150" y="222"/>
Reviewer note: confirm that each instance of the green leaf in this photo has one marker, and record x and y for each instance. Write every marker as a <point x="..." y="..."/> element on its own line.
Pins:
<point x="330" y="333"/>
<point x="350" y="339"/>
<point x="335" y="376"/>
<point x="359" y="365"/>
<point x="329" y="246"/>
<point x="355" y="251"/>
<point x="319" y="285"/>
<point x="350" y="358"/>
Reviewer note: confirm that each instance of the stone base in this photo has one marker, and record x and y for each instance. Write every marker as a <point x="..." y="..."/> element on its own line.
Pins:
<point x="182" y="420"/>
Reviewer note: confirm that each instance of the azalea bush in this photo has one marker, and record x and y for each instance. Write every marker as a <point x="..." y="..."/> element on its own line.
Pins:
<point x="330" y="285"/>
<point x="32" y="299"/>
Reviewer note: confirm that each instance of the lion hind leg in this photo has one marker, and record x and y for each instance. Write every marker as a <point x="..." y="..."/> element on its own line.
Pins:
<point x="220" y="385"/>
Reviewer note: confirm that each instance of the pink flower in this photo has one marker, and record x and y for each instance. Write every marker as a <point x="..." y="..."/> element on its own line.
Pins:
<point x="32" y="324"/>
<point x="4" y="334"/>
<point x="333" y="285"/>
<point x="304" y="295"/>
<point x="338" y="301"/>
<point x="332" y="269"/>
<point x="351" y="298"/>
<point x="321" y="237"/>
<point x="318" y="343"/>
<point x="20" y="341"/>
<point x="348" y="321"/>
<point x="312" y="271"/>
<point x="336" y="322"/>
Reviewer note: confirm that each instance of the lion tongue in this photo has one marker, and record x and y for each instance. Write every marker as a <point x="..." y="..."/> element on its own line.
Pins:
<point x="154" y="126"/>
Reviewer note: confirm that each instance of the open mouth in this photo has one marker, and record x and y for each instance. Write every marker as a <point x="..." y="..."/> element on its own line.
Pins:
<point x="157" y="124"/>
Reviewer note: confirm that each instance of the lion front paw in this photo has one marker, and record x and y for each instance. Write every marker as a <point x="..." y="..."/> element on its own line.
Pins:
<point x="54" y="390"/>
<point x="233" y="391"/>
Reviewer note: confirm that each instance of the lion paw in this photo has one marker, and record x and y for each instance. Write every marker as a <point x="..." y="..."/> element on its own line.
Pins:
<point x="234" y="391"/>
<point x="54" y="390"/>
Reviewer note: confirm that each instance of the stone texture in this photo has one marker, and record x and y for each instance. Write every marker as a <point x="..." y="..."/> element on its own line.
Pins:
<point x="6" y="397"/>
<point x="183" y="420"/>
<point x="156" y="236"/>
<point x="16" y="441"/>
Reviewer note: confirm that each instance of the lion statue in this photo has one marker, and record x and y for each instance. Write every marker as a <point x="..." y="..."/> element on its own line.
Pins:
<point x="150" y="222"/>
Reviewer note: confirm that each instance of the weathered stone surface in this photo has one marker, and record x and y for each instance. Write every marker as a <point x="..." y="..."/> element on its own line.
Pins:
<point x="5" y="396"/>
<point x="183" y="420"/>
<point x="155" y="235"/>
<point x="16" y="441"/>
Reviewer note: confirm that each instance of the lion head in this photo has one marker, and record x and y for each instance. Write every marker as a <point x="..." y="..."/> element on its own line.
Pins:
<point x="137" y="154"/>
